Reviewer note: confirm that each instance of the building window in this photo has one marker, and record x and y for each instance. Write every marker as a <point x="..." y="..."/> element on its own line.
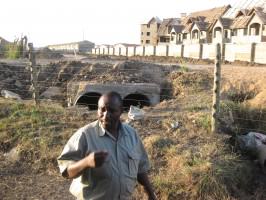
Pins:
<point x="226" y="34"/>
<point x="234" y="32"/>
<point x="147" y="41"/>
<point x="245" y="31"/>
<point x="148" y="25"/>
<point x="141" y="33"/>
<point x="148" y="33"/>
<point x="185" y="36"/>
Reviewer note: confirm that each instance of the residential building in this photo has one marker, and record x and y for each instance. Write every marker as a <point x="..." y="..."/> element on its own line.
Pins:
<point x="149" y="32"/>
<point x="78" y="47"/>
<point x="164" y="32"/>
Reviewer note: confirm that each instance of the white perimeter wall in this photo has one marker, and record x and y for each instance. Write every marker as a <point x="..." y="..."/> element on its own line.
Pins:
<point x="161" y="50"/>
<point x="175" y="50"/>
<point x="149" y="50"/>
<point x="233" y="52"/>
<point x="260" y="53"/>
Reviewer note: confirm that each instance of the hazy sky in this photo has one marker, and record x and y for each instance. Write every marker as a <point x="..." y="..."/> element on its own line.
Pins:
<point x="100" y="21"/>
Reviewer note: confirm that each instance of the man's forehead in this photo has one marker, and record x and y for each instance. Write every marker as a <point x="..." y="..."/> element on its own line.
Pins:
<point x="108" y="101"/>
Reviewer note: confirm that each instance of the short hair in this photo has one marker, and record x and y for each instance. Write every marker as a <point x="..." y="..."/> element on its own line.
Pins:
<point x="114" y="95"/>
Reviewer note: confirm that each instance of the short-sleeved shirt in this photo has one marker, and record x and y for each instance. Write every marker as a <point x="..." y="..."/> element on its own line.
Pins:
<point x="117" y="177"/>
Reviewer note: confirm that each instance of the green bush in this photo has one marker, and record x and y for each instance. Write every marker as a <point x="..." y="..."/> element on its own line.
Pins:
<point x="13" y="51"/>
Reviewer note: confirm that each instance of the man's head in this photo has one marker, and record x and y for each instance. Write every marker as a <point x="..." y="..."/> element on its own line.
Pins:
<point x="110" y="107"/>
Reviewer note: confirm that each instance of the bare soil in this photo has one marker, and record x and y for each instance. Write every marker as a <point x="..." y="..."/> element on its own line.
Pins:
<point x="19" y="180"/>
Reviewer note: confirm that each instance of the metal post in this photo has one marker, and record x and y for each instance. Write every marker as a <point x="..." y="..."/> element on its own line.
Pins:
<point x="33" y="70"/>
<point x="216" y="89"/>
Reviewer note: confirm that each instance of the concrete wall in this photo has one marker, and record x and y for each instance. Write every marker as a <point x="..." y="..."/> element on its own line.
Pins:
<point x="131" y="51"/>
<point x="229" y="52"/>
<point x="208" y="51"/>
<point x="192" y="51"/>
<point x="250" y="52"/>
<point x="161" y="50"/>
<point x="139" y="51"/>
<point x="150" y="90"/>
<point x="149" y="50"/>
<point x="175" y="50"/>
<point x="260" y="53"/>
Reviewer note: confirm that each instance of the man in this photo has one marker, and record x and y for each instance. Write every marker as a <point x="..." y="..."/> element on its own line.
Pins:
<point x="106" y="157"/>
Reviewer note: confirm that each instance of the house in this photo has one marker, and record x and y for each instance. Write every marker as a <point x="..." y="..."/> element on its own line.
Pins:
<point x="197" y="25"/>
<point x="149" y="32"/>
<point x="176" y="34"/>
<point x="164" y="32"/>
<point x="248" y="26"/>
<point x="81" y="47"/>
<point x="221" y="30"/>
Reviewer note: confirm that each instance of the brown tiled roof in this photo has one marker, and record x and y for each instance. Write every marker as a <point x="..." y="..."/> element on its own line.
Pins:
<point x="261" y="15"/>
<point x="240" y="22"/>
<point x="226" y="22"/>
<point x="242" y="12"/>
<point x="187" y="28"/>
<point x="207" y="15"/>
<point x="259" y="9"/>
<point x="169" y="22"/>
<point x="203" y="26"/>
<point x="178" y="28"/>
<point x="157" y="20"/>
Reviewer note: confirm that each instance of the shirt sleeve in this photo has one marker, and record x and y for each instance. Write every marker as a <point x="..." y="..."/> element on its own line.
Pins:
<point x="144" y="164"/>
<point x="73" y="151"/>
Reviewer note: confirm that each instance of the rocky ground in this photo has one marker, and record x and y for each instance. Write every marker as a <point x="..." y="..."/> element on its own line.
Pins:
<point x="187" y="161"/>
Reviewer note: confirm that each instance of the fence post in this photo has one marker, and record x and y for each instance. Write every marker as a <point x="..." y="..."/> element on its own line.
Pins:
<point x="33" y="70"/>
<point x="216" y="89"/>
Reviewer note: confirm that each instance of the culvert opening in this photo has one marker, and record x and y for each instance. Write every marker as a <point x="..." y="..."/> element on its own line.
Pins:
<point x="138" y="100"/>
<point x="90" y="100"/>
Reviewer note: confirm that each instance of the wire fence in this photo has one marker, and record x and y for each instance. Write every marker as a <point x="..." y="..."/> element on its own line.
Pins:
<point x="190" y="94"/>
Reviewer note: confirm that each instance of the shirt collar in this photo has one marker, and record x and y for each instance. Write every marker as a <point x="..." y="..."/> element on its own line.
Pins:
<point x="102" y="131"/>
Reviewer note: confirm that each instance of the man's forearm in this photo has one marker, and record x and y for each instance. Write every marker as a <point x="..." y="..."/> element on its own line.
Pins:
<point x="144" y="180"/>
<point x="75" y="169"/>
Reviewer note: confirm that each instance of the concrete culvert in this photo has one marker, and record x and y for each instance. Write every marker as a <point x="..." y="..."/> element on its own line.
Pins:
<point x="139" y="100"/>
<point x="90" y="100"/>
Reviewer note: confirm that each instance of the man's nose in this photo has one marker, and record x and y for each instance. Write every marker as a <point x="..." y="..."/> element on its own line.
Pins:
<point x="106" y="114"/>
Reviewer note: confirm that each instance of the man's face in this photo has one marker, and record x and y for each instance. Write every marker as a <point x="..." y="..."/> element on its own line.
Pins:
<point x="109" y="111"/>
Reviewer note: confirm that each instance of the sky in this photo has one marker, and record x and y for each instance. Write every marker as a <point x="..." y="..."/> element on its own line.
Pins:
<point x="47" y="22"/>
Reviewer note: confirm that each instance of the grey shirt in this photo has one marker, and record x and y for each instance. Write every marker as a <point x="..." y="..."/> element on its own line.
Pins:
<point x="117" y="177"/>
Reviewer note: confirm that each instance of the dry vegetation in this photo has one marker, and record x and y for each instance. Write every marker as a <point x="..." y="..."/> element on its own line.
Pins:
<point x="187" y="161"/>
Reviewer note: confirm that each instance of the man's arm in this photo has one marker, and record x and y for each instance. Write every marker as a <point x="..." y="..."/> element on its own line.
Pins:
<point x="143" y="179"/>
<point x="94" y="159"/>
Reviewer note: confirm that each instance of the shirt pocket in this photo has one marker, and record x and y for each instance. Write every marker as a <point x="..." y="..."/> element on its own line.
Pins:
<point x="133" y="163"/>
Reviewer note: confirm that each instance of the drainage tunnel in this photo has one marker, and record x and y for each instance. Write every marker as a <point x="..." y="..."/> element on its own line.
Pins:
<point x="90" y="100"/>
<point x="139" y="100"/>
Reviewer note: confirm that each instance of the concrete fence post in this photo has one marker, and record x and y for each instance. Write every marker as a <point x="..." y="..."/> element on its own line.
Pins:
<point x="33" y="70"/>
<point x="127" y="51"/>
<point x="200" y="51"/>
<point x="108" y="50"/>
<point x="143" y="51"/>
<point x="223" y="52"/>
<point x="119" y="51"/>
<point x="182" y="50"/>
<point x="216" y="89"/>
<point x="134" y="51"/>
<point x="154" y="50"/>
<point x="252" y="54"/>
<point x="167" y="50"/>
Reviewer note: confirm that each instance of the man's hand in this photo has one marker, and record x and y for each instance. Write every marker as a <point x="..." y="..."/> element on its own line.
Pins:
<point x="96" y="159"/>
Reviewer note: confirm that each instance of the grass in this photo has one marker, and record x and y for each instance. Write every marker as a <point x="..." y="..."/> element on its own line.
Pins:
<point x="187" y="162"/>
